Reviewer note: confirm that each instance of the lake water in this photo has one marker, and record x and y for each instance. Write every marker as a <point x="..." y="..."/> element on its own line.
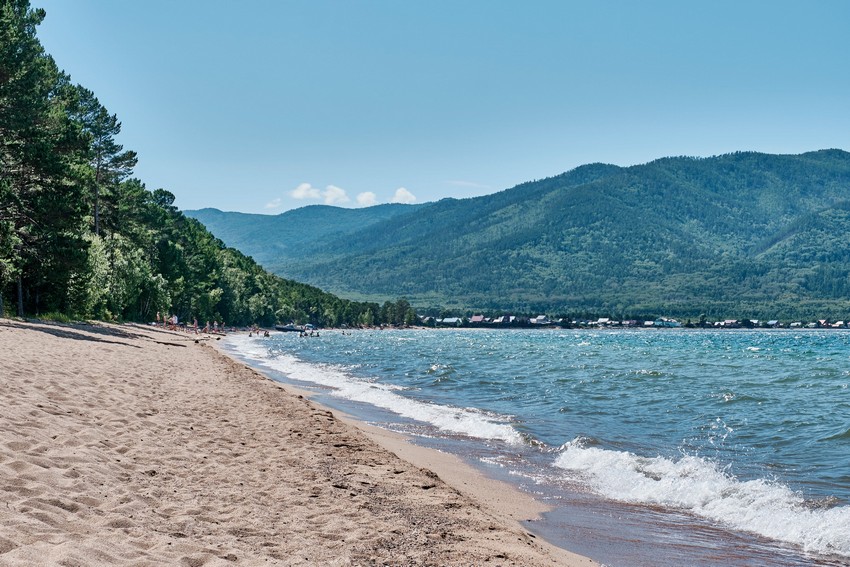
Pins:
<point x="654" y="447"/>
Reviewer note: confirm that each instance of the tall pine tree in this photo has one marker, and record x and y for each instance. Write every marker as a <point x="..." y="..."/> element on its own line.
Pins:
<point x="40" y="246"/>
<point x="110" y="164"/>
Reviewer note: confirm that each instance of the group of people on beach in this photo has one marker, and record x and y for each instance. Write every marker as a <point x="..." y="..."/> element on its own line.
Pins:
<point x="172" y="322"/>
<point x="215" y="329"/>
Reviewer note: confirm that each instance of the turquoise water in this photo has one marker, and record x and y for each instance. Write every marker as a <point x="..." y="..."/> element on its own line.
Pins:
<point x="703" y="447"/>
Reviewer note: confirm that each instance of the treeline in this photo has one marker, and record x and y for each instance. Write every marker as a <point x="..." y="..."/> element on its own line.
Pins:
<point x="81" y="238"/>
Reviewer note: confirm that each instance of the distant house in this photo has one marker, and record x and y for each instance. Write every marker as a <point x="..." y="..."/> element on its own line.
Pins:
<point x="540" y="320"/>
<point x="450" y="322"/>
<point x="477" y="320"/>
<point x="773" y="323"/>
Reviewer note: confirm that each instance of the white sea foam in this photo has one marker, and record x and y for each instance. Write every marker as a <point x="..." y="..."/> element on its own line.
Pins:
<point x="470" y="422"/>
<point x="700" y="487"/>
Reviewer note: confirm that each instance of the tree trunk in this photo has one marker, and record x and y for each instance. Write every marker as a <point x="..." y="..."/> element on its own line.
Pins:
<point x="20" y="297"/>
<point x="96" y="211"/>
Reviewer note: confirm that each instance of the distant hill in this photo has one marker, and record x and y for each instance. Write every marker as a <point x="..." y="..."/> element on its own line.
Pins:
<point x="738" y="235"/>
<point x="272" y="239"/>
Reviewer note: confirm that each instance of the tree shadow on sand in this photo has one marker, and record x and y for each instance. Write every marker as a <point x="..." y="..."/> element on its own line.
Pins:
<point x="75" y="331"/>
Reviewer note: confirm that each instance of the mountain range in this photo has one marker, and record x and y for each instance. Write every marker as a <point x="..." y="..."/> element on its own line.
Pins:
<point x="739" y="235"/>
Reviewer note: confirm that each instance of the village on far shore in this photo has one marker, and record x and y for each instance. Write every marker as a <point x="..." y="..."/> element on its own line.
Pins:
<point x="542" y="321"/>
<point x="507" y="322"/>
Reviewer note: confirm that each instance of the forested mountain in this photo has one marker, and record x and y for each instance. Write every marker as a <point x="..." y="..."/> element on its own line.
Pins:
<point x="295" y="233"/>
<point x="81" y="238"/>
<point x="744" y="234"/>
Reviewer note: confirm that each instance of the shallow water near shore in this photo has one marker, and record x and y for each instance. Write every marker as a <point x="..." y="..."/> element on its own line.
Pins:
<point x="654" y="447"/>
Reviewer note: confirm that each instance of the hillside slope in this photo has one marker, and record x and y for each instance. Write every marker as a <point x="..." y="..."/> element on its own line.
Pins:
<point x="270" y="239"/>
<point x="740" y="234"/>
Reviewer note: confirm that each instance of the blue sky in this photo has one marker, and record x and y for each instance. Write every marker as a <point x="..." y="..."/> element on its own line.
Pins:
<point x="265" y="106"/>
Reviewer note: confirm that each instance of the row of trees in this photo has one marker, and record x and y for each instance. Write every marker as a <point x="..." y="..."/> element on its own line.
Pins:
<point x="81" y="237"/>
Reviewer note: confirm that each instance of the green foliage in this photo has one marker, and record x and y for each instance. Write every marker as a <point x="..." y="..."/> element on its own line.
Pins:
<point x="57" y="317"/>
<point x="40" y="202"/>
<point x="79" y="238"/>
<point x="108" y="164"/>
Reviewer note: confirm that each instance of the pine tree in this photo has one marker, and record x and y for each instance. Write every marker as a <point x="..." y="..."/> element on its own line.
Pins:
<point x="110" y="165"/>
<point x="39" y="197"/>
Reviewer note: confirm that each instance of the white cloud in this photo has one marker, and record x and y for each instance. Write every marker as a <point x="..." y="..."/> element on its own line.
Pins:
<point x="274" y="203"/>
<point x="334" y="195"/>
<point x="367" y="199"/>
<point x="402" y="195"/>
<point x="305" y="191"/>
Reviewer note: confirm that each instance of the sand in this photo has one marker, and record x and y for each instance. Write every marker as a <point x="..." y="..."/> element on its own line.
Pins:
<point x="130" y="445"/>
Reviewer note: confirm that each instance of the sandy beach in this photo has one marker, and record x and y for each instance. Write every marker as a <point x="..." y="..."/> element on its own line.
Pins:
<point x="130" y="445"/>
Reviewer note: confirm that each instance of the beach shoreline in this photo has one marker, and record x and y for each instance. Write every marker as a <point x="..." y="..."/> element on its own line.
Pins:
<point x="129" y="444"/>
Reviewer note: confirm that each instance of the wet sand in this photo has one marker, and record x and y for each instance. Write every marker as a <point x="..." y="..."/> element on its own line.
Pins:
<point x="130" y="445"/>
